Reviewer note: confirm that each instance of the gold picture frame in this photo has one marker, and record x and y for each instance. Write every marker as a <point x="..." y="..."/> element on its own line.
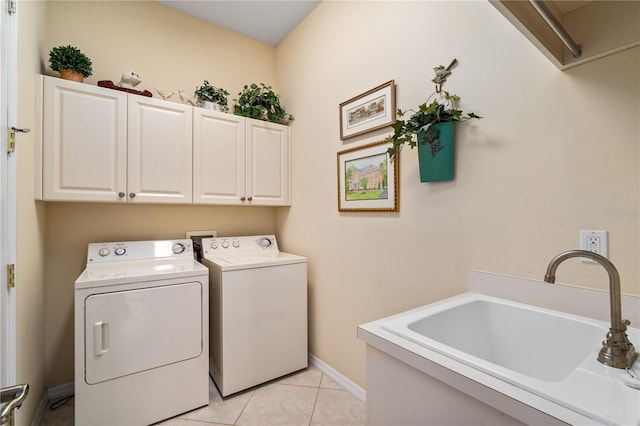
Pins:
<point x="369" y="111"/>
<point x="368" y="179"/>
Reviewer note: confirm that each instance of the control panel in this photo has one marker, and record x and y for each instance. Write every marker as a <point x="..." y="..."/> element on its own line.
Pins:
<point x="221" y="245"/>
<point x="138" y="250"/>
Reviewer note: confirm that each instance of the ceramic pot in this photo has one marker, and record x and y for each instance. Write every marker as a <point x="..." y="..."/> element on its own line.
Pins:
<point x="69" y="74"/>
<point x="436" y="160"/>
<point x="211" y="105"/>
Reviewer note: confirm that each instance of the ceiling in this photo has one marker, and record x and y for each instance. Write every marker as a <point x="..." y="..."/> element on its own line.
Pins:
<point x="268" y="21"/>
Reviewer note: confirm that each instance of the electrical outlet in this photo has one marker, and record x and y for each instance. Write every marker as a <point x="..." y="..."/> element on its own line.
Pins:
<point x="593" y="241"/>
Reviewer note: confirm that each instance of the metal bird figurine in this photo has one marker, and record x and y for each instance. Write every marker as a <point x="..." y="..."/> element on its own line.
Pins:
<point x="441" y="74"/>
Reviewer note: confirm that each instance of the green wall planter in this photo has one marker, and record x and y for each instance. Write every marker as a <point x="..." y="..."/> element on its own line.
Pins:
<point x="440" y="167"/>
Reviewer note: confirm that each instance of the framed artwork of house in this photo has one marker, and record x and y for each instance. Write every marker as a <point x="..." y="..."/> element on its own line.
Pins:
<point x="369" y="111"/>
<point x="367" y="179"/>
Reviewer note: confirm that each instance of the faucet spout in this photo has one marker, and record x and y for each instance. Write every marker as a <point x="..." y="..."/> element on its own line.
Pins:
<point x="616" y="350"/>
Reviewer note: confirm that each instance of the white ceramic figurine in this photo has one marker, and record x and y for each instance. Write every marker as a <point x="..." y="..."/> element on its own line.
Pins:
<point x="129" y="80"/>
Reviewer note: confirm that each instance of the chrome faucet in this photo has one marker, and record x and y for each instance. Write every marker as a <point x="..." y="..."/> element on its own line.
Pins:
<point x="616" y="350"/>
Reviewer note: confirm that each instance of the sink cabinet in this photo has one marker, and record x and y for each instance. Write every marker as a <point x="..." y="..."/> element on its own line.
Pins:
<point x="102" y="145"/>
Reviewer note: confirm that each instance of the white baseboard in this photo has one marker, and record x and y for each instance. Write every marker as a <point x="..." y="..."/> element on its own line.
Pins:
<point x="42" y="406"/>
<point x="55" y="392"/>
<point x="339" y="378"/>
<point x="60" y="391"/>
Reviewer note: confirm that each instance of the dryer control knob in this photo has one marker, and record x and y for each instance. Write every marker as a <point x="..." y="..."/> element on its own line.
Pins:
<point x="225" y="244"/>
<point x="177" y="248"/>
<point x="265" y="242"/>
<point x="214" y="245"/>
<point x="119" y="251"/>
<point x="236" y="243"/>
<point x="104" y="252"/>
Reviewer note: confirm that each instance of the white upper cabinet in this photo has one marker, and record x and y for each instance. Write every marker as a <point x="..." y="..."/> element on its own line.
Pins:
<point x="239" y="161"/>
<point x="159" y="151"/>
<point x="267" y="163"/>
<point x="84" y="135"/>
<point x="218" y="158"/>
<point x="104" y="145"/>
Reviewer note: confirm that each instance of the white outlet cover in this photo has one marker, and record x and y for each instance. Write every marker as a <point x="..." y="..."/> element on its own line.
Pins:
<point x="599" y="234"/>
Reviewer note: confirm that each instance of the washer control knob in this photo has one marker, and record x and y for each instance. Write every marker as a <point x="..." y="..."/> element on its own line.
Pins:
<point x="225" y="244"/>
<point x="119" y="251"/>
<point x="213" y="245"/>
<point x="104" y="252"/>
<point x="264" y="242"/>
<point x="177" y="248"/>
<point x="236" y="243"/>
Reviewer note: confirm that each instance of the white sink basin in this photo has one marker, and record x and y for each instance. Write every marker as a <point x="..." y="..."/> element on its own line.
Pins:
<point x="539" y="344"/>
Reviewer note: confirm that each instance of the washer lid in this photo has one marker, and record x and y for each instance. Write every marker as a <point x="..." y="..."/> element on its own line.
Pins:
<point x="235" y="261"/>
<point x="125" y="272"/>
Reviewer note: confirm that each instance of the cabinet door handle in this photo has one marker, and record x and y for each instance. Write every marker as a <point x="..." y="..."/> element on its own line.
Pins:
<point x="242" y="198"/>
<point x="132" y="195"/>
<point x="250" y="199"/>
<point x="121" y="194"/>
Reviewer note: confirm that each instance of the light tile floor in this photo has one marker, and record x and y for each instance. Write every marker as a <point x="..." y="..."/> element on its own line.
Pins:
<point x="306" y="398"/>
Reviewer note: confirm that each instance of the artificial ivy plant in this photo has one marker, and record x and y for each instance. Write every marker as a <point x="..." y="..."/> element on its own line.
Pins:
<point x="261" y="102"/>
<point x="210" y="93"/>
<point x="417" y="129"/>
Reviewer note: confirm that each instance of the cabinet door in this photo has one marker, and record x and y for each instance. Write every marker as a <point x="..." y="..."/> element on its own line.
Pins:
<point x="159" y="151"/>
<point x="84" y="142"/>
<point x="267" y="163"/>
<point x="218" y="158"/>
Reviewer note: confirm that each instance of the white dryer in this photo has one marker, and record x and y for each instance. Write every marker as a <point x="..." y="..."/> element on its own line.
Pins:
<point x="258" y="311"/>
<point x="141" y="333"/>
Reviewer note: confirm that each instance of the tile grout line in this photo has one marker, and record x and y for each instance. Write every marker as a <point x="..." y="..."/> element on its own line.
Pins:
<point x="253" y="392"/>
<point x="315" y="402"/>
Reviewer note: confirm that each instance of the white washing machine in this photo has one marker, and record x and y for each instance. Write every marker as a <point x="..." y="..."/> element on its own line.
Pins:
<point x="141" y="333"/>
<point x="258" y="311"/>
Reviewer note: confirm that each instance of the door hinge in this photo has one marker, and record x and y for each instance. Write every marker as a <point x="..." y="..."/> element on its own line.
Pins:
<point x="11" y="275"/>
<point x="11" y="141"/>
<point x="11" y="137"/>
<point x="12" y="6"/>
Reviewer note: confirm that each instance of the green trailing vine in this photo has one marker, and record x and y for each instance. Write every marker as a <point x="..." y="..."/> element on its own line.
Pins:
<point x="417" y="128"/>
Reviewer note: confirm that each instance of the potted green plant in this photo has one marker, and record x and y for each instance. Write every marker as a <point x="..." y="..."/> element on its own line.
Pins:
<point x="70" y="62"/>
<point x="211" y="97"/>
<point x="431" y="129"/>
<point x="261" y="102"/>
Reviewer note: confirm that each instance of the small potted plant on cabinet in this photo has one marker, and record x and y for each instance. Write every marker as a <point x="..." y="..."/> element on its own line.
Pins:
<point x="261" y="102"/>
<point x="70" y="62"/>
<point x="431" y="129"/>
<point x="211" y="97"/>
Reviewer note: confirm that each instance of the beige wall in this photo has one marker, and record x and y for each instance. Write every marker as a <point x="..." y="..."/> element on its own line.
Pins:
<point x="30" y="220"/>
<point x="556" y="152"/>
<point x="169" y="50"/>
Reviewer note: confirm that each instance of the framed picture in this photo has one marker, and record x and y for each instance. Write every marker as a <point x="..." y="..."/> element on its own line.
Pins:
<point x="372" y="110"/>
<point x="367" y="179"/>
